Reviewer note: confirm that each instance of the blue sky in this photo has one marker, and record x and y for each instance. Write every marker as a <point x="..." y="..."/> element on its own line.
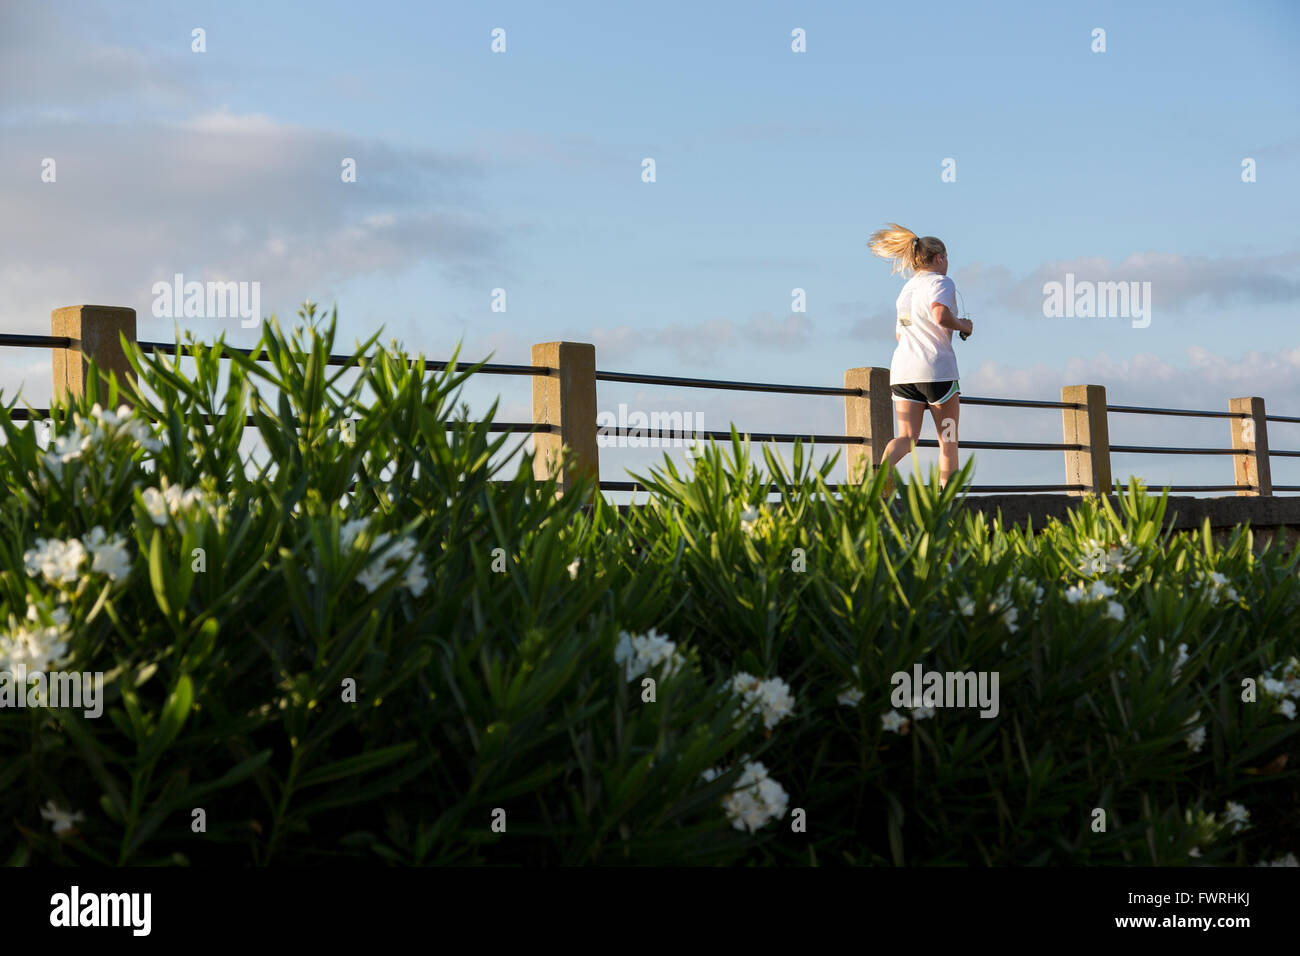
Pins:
<point x="522" y="171"/>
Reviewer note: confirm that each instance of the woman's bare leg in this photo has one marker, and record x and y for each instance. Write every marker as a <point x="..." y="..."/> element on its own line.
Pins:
<point x="946" y="417"/>
<point x="907" y="429"/>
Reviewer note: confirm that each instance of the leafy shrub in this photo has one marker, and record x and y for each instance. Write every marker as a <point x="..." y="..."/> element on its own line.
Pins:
<point x="377" y="641"/>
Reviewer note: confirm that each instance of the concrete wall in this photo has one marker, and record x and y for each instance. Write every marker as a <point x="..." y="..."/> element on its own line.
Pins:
<point x="1268" y="516"/>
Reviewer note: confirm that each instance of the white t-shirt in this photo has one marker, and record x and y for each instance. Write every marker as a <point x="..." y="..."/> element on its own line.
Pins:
<point x="924" y="352"/>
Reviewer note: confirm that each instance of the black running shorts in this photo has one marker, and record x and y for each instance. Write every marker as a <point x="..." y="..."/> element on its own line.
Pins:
<point x="933" y="393"/>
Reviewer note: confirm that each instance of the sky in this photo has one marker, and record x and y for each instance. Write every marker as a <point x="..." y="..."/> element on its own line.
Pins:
<point x="1001" y="128"/>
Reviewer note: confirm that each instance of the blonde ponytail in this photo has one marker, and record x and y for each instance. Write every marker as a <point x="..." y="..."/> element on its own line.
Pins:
<point x="907" y="250"/>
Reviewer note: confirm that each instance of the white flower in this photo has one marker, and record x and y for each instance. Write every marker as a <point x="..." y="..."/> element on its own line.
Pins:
<point x="573" y="569"/>
<point x="1194" y="851"/>
<point x="638" y="654"/>
<point x="388" y="555"/>
<point x="1095" y="560"/>
<point x="349" y="531"/>
<point x="1100" y="590"/>
<point x="1236" y="817"/>
<point x="39" y="648"/>
<point x="1273" y="687"/>
<point x="1286" y="709"/>
<point x="748" y="519"/>
<point x="181" y="499"/>
<point x="1009" y="619"/>
<point x="372" y="577"/>
<point x="110" y="556"/>
<point x="62" y="820"/>
<point x="776" y="701"/>
<point x="1178" y="664"/>
<point x="1101" y="558"/>
<point x="1221" y="588"/>
<point x="772" y="696"/>
<point x="415" y="580"/>
<point x="919" y="711"/>
<point x="53" y="463"/>
<point x="966" y="606"/>
<point x="1195" y="740"/>
<point x="58" y="561"/>
<point x="850" y="697"/>
<point x="893" y="721"/>
<point x="155" y="504"/>
<point x="1121" y="559"/>
<point x="756" y="800"/>
<point x="69" y="447"/>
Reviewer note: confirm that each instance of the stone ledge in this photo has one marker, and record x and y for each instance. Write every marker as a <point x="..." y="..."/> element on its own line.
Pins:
<point x="1183" y="512"/>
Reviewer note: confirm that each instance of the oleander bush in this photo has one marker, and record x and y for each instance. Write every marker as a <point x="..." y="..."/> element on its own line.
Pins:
<point x="379" y="640"/>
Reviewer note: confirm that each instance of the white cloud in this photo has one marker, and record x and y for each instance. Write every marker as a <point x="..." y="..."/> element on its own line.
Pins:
<point x="1178" y="282"/>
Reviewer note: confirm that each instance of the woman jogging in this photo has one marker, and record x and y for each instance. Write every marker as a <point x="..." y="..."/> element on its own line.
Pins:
<point x="924" y="368"/>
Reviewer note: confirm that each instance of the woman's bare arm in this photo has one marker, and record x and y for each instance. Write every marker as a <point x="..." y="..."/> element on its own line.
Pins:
<point x="943" y="316"/>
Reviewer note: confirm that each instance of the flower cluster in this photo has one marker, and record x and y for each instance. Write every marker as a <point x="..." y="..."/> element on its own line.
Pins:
<point x="391" y="554"/>
<point x="1236" y="817"/>
<point x="60" y="562"/>
<point x="772" y="696"/>
<point x="640" y="653"/>
<point x="1001" y="604"/>
<point x="1099" y="591"/>
<point x="1099" y="558"/>
<point x="36" y="644"/>
<point x="105" y="426"/>
<point x="756" y="799"/>
<point x="101" y="429"/>
<point x="1283" y="689"/>
<point x="171" y="501"/>
<point x="1220" y="589"/>
<point x="895" y="723"/>
<point x="1208" y="828"/>
<point x="756" y="521"/>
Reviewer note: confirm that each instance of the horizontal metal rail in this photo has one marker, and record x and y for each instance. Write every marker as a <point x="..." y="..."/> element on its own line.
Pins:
<point x="1006" y="445"/>
<point x="1189" y="412"/>
<point x="1152" y="450"/>
<point x="718" y="383"/>
<point x="41" y="414"/>
<point x="35" y="341"/>
<point x="171" y="348"/>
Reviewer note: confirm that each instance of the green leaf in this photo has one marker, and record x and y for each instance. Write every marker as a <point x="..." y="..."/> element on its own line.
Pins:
<point x="352" y="766"/>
